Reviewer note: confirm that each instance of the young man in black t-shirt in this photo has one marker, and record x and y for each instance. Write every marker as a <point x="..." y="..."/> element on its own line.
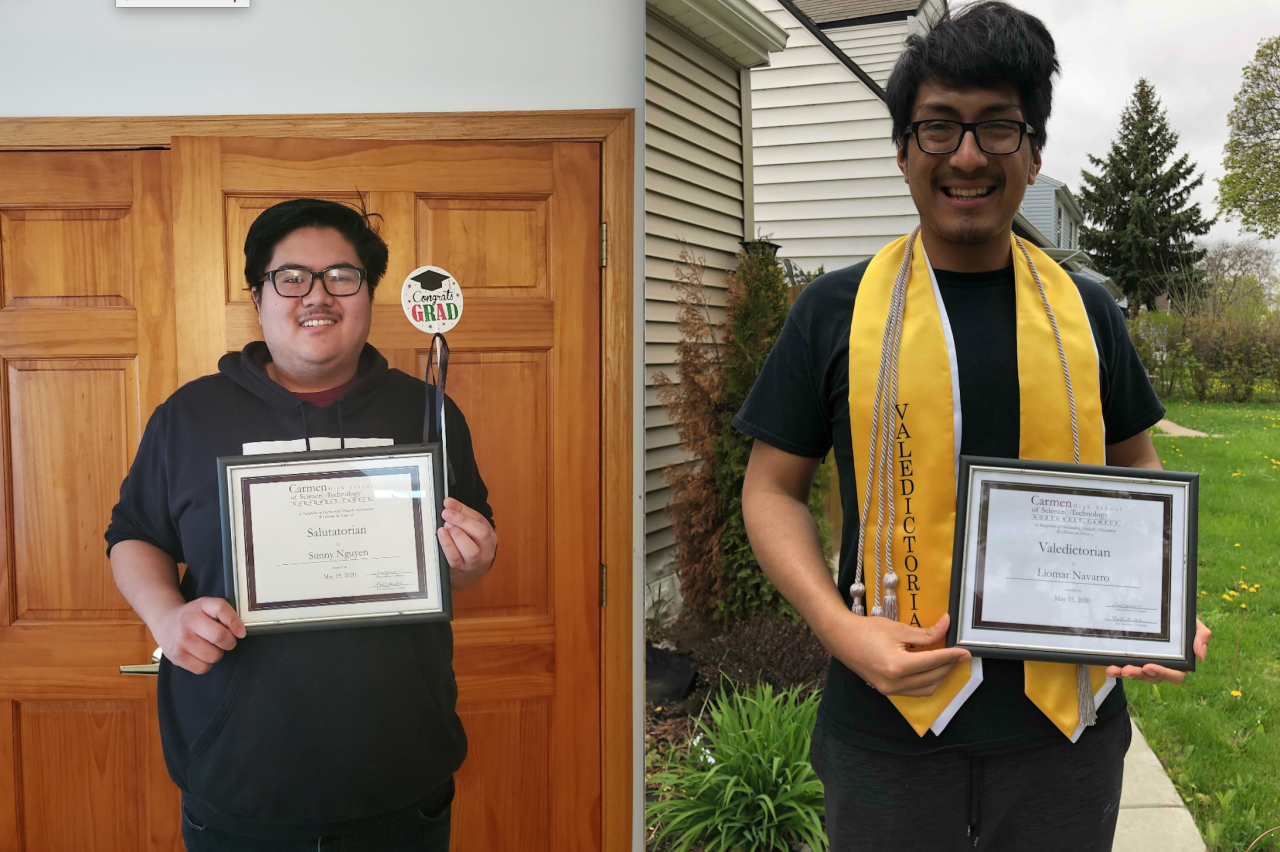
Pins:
<point x="1000" y="775"/>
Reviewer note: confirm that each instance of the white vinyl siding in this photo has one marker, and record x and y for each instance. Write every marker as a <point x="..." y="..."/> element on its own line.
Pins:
<point x="827" y="185"/>
<point x="693" y="196"/>
<point x="875" y="47"/>
<point x="1041" y="207"/>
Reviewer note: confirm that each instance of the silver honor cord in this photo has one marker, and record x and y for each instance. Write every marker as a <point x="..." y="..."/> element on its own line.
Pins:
<point x="1084" y="686"/>
<point x="883" y="419"/>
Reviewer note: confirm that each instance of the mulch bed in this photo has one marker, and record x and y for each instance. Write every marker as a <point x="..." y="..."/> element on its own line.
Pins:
<point x="765" y="648"/>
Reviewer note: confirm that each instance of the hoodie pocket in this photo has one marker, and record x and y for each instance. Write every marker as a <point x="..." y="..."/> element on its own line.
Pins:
<point x="326" y="726"/>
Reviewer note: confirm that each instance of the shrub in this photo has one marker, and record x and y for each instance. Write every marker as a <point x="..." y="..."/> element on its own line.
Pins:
<point x="720" y="579"/>
<point x="745" y="783"/>
<point x="1158" y="338"/>
<point x="755" y="312"/>
<point x="764" y="648"/>
<point x="697" y="408"/>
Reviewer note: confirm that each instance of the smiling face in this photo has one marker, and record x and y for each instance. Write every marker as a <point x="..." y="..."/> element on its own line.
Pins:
<point x="315" y="341"/>
<point x="967" y="199"/>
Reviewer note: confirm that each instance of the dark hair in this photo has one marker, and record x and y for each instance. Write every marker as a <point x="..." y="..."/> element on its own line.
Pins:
<point x="986" y="44"/>
<point x="281" y="220"/>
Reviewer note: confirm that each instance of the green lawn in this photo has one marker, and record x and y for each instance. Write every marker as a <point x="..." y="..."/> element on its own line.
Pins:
<point x="1218" y="733"/>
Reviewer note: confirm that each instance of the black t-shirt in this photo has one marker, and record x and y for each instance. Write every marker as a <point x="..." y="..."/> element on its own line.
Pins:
<point x="800" y="404"/>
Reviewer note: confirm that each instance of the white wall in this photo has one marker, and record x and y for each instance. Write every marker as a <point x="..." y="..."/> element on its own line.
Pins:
<point x="86" y="57"/>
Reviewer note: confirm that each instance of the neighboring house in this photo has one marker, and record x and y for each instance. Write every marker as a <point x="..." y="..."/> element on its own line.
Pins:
<point x="697" y="194"/>
<point x="1050" y="206"/>
<point x="827" y="184"/>
<point x="1050" y="217"/>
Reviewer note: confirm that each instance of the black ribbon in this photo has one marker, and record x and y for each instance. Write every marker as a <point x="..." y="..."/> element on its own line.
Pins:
<point x="433" y="419"/>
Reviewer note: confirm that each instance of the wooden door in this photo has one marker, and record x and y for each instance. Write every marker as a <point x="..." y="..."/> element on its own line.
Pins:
<point x="86" y="353"/>
<point x="517" y="224"/>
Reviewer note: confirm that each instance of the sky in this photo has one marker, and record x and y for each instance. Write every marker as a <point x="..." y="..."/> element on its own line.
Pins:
<point x="1192" y="51"/>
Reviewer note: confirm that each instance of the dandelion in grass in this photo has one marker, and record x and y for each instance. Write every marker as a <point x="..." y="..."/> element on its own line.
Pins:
<point x="1237" y="693"/>
<point x="1244" y="606"/>
<point x="1226" y="597"/>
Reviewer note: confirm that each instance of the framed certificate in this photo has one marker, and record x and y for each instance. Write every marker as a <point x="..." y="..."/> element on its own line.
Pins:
<point x="336" y="538"/>
<point x="1074" y="563"/>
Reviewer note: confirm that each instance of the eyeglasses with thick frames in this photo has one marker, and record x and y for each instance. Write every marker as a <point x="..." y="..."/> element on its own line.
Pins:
<point x="294" y="282"/>
<point x="943" y="136"/>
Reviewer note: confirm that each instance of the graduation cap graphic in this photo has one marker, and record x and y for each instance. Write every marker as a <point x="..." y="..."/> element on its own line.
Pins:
<point x="430" y="279"/>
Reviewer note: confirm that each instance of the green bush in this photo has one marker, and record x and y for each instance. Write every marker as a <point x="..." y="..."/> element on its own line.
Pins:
<point x="1213" y="358"/>
<point x="745" y="783"/>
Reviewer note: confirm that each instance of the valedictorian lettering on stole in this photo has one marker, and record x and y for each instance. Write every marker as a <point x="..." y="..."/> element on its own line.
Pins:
<point x="994" y="350"/>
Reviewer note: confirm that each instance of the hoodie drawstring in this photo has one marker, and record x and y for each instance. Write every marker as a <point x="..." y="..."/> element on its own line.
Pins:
<point x="306" y="436"/>
<point x="342" y="435"/>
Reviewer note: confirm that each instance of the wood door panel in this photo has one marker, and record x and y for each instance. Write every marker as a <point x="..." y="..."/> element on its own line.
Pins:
<point x="72" y="429"/>
<point x="86" y="353"/>
<point x="345" y="165"/>
<point x="82" y="774"/>
<point x="505" y="398"/>
<point x="508" y="762"/>
<point x="493" y="247"/>
<point x="63" y="178"/>
<point x="80" y="257"/>
<point x="104" y="332"/>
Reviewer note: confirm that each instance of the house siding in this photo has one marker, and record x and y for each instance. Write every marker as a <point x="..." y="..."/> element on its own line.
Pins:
<point x="827" y="184"/>
<point x="694" y="196"/>
<point x="1041" y="208"/>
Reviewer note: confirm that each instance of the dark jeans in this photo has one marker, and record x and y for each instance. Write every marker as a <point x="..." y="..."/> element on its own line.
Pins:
<point x="1060" y="796"/>
<point x="410" y="831"/>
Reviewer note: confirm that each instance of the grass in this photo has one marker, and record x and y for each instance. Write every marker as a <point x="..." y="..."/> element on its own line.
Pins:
<point x="1218" y="734"/>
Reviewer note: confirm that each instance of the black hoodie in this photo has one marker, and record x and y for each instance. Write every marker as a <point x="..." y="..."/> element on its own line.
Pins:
<point x="293" y="734"/>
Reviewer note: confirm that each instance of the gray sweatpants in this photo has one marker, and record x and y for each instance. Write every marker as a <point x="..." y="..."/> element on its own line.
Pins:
<point x="1060" y="796"/>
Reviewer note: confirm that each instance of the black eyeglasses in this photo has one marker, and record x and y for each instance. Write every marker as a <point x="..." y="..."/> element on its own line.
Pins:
<point x="294" y="282"/>
<point x="942" y="136"/>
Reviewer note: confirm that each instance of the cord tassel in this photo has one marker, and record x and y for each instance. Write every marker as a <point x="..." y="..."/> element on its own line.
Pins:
<point x="1084" y="693"/>
<point x="856" y="591"/>
<point x="891" y="596"/>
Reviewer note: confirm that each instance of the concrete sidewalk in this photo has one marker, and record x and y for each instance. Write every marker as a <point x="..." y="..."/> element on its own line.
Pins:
<point x="1152" y="815"/>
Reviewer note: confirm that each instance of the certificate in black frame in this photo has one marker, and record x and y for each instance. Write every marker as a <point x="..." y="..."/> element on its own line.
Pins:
<point x="232" y="571"/>
<point x="1018" y="652"/>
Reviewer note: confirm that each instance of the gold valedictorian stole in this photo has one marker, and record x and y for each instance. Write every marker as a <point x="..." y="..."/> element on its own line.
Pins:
<point x="904" y="407"/>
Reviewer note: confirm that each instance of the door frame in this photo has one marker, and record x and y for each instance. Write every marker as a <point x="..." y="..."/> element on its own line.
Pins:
<point x="614" y="130"/>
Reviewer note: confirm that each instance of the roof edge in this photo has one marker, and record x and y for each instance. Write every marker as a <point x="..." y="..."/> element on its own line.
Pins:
<point x="754" y="35"/>
<point x="865" y="20"/>
<point x="1069" y="201"/>
<point x="843" y="58"/>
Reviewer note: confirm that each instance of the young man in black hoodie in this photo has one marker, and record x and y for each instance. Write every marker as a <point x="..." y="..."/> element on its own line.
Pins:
<point x="341" y="738"/>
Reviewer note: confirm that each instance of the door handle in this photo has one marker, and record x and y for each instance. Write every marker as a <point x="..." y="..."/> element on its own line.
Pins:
<point x="151" y="668"/>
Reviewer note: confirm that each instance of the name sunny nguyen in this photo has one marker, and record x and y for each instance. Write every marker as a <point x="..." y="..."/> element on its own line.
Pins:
<point x="321" y="532"/>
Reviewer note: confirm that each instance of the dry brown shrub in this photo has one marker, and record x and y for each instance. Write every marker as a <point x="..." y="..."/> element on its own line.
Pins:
<point x="695" y="402"/>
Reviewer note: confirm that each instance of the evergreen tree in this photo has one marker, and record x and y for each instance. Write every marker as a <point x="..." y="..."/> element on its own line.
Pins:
<point x="1143" y="227"/>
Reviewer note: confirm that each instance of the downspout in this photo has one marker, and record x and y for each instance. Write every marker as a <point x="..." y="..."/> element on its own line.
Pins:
<point x="835" y="51"/>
